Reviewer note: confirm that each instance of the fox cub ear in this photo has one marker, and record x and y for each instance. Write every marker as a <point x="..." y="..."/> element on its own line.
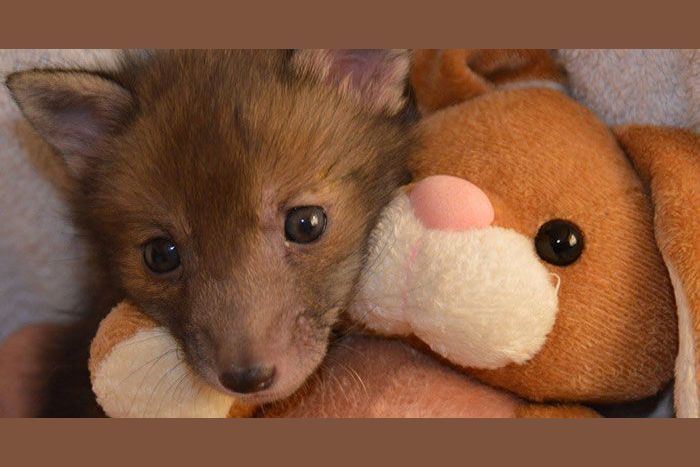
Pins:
<point x="73" y="111"/>
<point x="668" y="162"/>
<point x="376" y="77"/>
<point x="441" y="78"/>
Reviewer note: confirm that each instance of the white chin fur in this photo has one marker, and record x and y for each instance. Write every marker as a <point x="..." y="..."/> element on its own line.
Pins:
<point x="481" y="298"/>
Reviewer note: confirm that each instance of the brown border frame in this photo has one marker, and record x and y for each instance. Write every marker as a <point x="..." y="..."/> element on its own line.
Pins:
<point x="305" y="23"/>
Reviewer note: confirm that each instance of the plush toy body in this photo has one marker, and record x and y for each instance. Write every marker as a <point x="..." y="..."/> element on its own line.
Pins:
<point x="536" y="250"/>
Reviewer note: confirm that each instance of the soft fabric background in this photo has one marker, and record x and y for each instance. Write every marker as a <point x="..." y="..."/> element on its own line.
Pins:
<point x="40" y="257"/>
<point x="659" y="86"/>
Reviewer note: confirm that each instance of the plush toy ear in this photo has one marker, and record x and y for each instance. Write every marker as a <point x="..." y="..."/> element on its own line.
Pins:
<point x="441" y="78"/>
<point x="376" y="77"/>
<point x="668" y="161"/>
<point x="72" y="111"/>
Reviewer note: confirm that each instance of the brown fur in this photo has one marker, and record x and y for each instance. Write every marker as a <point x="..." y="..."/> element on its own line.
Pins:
<point x="211" y="148"/>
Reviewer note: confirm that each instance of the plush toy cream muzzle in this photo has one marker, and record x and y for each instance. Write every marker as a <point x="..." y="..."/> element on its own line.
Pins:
<point x="439" y="270"/>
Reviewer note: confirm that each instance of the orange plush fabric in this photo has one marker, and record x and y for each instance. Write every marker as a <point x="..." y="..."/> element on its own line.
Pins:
<point x="445" y="77"/>
<point x="668" y="160"/>
<point x="554" y="411"/>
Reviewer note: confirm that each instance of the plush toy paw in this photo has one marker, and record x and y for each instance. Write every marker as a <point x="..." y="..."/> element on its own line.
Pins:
<point x="138" y="370"/>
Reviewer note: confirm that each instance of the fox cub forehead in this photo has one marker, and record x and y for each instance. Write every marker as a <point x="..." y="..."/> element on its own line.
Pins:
<point x="198" y="130"/>
<point x="263" y="105"/>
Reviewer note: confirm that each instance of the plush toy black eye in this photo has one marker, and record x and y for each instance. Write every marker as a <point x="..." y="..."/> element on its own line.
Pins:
<point x="559" y="242"/>
<point x="160" y="255"/>
<point x="305" y="224"/>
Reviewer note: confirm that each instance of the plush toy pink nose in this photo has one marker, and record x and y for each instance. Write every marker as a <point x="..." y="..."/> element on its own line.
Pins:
<point x="443" y="202"/>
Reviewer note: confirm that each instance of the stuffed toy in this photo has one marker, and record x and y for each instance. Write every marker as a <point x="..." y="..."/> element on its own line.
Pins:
<point x="538" y="250"/>
<point x="535" y="251"/>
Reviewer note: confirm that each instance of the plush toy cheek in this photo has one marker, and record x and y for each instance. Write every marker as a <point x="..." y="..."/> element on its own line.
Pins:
<point x="382" y="296"/>
<point x="444" y="202"/>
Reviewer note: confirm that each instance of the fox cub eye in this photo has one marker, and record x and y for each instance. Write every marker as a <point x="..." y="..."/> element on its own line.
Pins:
<point x="305" y="224"/>
<point x="160" y="255"/>
<point x="559" y="242"/>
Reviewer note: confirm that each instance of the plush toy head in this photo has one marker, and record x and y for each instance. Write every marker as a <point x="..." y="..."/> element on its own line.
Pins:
<point x="526" y="251"/>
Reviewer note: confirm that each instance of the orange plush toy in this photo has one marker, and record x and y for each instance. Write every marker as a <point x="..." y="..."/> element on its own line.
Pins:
<point x="537" y="249"/>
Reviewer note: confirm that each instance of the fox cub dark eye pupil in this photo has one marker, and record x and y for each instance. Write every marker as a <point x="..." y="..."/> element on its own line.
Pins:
<point x="305" y="224"/>
<point x="160" y="255"/>
<point x="559" y="242"/>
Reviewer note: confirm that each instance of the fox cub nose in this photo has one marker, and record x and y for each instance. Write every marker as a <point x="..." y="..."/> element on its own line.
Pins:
<point x="247" y="380"/>
<point x="444" y="202"/>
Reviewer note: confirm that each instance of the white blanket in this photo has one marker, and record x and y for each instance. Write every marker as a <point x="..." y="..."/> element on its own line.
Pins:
<point x="41" y="261"/>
